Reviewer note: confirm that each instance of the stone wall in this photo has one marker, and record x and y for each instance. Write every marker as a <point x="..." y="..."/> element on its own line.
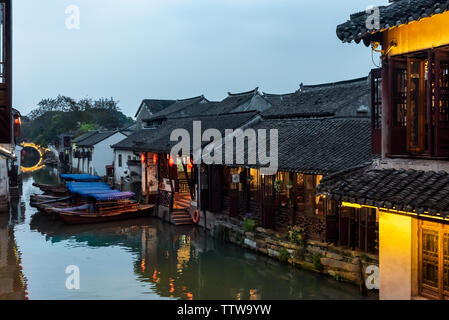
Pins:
<point x="340" y="263"/>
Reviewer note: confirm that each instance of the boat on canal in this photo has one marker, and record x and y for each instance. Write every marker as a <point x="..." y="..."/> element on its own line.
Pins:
<point x="87" y="200"/>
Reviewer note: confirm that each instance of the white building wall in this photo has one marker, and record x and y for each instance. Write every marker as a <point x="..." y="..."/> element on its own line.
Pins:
<point x="103" y="154"/>
<point x="119" y="172"/>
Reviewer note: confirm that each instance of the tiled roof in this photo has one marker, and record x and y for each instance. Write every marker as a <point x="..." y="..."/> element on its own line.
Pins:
<point x="155" y="105"/>
<point x="134" y="139"/>
<point x="275" y="99"/>
<point x="401" y="190"/>
<point x="96" y="138"/>
<point x="83" y="136"/>
<point x="162" y="141"/>
<point x="176" y="108"/>
<point x="233" y="101"/>
<point x="319" y="145"/>
<point x="397" y="13"/>
<point x="158" y="140"/>
<point x="331" y="99"/>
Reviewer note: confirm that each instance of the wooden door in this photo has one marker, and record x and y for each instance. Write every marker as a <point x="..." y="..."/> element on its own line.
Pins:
<point x="433" y="260"/>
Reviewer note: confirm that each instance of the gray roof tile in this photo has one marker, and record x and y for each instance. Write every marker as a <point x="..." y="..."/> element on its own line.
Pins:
<point x="397" y="13"/>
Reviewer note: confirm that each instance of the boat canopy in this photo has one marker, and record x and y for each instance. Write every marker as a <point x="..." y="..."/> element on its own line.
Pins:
<point x="80" y="177"/>
<point x="97" y="190"/>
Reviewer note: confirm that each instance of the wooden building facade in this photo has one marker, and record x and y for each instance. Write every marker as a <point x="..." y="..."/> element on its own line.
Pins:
<point x="408" y="187"/>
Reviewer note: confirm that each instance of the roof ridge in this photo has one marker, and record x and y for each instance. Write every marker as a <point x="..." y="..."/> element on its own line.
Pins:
<point x="193" y="98"/>
<point x="277" y="94"/>
<point x="254" y="91"/>
<point x="331" y="84"/>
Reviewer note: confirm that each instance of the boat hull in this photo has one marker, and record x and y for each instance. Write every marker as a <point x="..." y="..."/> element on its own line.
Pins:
<point x="86" y="218"/>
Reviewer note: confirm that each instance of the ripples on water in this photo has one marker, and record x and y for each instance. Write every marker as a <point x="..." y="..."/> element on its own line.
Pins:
<point x="142" y="259"/>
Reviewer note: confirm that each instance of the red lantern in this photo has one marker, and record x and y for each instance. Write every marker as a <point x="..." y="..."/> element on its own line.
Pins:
<point x="143" y="157"/>
<point x="189" y="163"/>
<point x="155" y="158"/>
<point x="171" y="162"/>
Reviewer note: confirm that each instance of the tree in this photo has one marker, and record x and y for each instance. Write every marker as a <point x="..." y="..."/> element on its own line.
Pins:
<point x="54" y="116"/>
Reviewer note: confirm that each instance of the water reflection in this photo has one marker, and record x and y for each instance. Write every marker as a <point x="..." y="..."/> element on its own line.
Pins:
<point x="148" y="259"/>
<point x="182" y="263"/>
<point x="12" y="283"/>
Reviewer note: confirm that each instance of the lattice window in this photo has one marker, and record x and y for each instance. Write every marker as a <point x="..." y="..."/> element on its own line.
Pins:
<point x="400" y="98"/>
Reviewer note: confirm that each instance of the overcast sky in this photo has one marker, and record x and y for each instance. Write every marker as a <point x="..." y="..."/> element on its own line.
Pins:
<point x="136" y="49"/>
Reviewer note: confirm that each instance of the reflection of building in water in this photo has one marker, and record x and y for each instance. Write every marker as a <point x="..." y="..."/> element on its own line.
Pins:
<point x="183" y="252"/>
<point x="12" y="284"/>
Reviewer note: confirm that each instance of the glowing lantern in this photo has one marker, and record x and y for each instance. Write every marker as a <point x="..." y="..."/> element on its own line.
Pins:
<point x="189" y="163"/>
<point x="143" y="157"/>
<point x="155" y="158"/>
<point x="18" y="121"/>
<point x="171" y="162"/>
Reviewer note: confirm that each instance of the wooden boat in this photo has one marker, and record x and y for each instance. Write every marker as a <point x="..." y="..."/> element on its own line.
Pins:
<point x="41" y="203"/>
<point x="89" y="202"/>
<point x="106" y="214"/>
<point x="50" y="187"/>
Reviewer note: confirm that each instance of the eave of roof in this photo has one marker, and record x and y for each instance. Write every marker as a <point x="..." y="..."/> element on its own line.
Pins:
<point x="408" y="191"/>
<point x="397" y="13"/>
<point x="96" y="138"/>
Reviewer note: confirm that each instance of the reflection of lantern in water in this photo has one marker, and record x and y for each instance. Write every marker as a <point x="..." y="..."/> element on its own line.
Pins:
<point x="189" y="296"/>
<point x="172" y="285"/>
<point x="142" y="265"/>
<point x="155" y="277"/>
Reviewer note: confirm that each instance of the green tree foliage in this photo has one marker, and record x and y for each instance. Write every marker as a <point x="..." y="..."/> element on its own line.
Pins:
<point x="62" y="114"/>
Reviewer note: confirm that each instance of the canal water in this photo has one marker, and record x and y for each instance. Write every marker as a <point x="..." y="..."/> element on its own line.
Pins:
<point x="140" y="259"/>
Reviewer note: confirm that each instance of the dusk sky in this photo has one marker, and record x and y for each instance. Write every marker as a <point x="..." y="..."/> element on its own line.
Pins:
<point x="136" y="49"/>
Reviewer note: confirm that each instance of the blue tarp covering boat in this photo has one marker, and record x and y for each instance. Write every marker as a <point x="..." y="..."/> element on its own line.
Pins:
<point x="80" y="177"/>
<point x="97" y="190"/>
<point x="113" y="195"/>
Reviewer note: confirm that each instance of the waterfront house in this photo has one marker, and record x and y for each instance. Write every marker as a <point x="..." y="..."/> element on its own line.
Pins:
<point x="93" y="152"/>
<point x="155" y="126"/>
<point x="322" y="129"/>
<point x="127" y="167"/>
<point x="409" y="185"/>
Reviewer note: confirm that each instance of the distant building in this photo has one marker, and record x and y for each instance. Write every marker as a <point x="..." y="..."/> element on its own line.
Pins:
<point x="92" y="152"/>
